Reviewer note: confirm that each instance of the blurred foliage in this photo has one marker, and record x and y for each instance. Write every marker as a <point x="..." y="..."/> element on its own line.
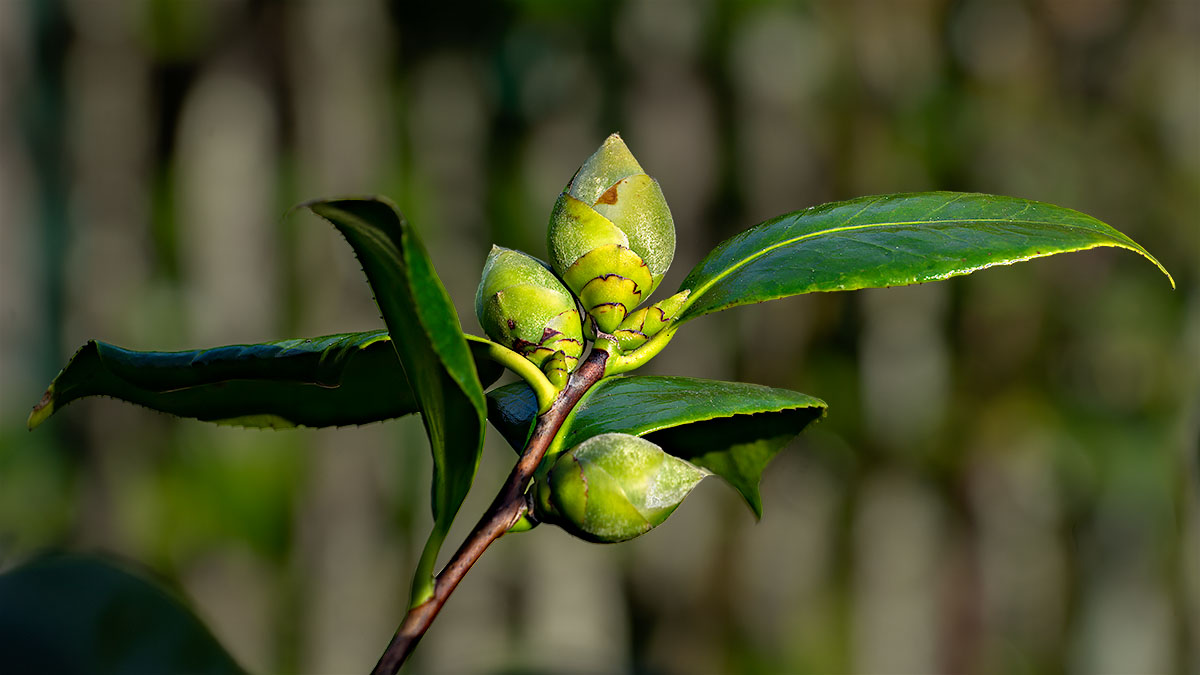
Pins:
<point x="73" y="614"/>
<point x="1006" y="479"/>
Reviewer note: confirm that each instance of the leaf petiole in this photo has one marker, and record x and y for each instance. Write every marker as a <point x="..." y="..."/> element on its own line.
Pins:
<point x="524" y="368"/>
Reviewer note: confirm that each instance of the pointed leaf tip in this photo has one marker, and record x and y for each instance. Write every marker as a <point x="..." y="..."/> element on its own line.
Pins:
<point x="43" y="410"/>
<point x="428" y="339"/>
<point x="889" y="240"/>
<point x="331" y="380"/>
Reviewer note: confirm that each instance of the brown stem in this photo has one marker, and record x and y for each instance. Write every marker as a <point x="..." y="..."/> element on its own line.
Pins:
<point x="506" y="508"/>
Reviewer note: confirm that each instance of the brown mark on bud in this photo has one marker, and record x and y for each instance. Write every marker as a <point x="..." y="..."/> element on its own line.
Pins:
<point x="609" y="196"/>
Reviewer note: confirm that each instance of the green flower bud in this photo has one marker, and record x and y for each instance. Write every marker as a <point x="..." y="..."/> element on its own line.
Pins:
<point x="614" y="487"/>
<point x="645" y="323"/>
<point x="558" y="368"/>
<point x="523" y="306"/>
<point x="611" y="234"/>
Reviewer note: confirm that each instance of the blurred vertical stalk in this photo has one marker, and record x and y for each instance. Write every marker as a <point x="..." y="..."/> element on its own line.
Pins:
<point x="43" y="117"/>
<point x="961" y="621"/>
<point x="44" y="121"/>
<point x="1185" y="548"/>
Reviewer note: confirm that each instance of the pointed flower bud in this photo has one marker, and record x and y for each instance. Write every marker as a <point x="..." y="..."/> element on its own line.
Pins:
<point x="611" y="234"/>
<point x="523" y="306"/>
<point x="614" y="487"/>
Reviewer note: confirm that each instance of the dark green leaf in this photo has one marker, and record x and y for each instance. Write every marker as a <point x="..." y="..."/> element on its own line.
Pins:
<point x="512" y="409"/>
<point x="888" y="240"/>
<point x="69" y="614"/>
<point x="736" y="448"/>
<point x="428" y="338"/>
<point x="352" y="378"/>
<point x="731" y="428"/>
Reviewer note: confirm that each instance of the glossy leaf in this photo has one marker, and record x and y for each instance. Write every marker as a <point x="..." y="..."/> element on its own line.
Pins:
<point x="334" y="380"/>
<point x="888" y="240"/>
<point x="512" y="409"/>
<point x="426" y="333"/>
<point x="730" y="428"/>
<point x="75" y="615"/>
<point x="736" y="448"/>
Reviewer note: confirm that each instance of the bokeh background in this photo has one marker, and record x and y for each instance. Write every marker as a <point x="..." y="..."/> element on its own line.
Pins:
<point x="1007" y="477"/>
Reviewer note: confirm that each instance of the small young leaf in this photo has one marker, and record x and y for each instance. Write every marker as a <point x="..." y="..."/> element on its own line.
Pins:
<point x="730" y="428"/>
<point x="428" y="338"/>
<point x="334" y="380"/>
<point x="888" y="240"/>
<point x="72" y="614"/>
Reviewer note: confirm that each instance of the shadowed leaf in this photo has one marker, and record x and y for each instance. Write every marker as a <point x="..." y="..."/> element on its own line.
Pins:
<point x="334" y="380"/>
<point x="71" y="614"/>
<point x="730" y="428"/>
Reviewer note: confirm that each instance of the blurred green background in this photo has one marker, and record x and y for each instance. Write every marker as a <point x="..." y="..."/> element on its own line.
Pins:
<point x="1007" y="477"/>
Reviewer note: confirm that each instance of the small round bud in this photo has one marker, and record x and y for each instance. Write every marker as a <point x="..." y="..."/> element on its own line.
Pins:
<point x="614" y="487"/>
<point x="611" y="235"/>
<point x="645" y="323"/>
<point x="523" y="306"/>
<point x="558" y="369"/>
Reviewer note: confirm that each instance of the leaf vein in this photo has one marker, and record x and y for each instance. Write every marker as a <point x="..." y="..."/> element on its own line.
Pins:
<point x="936" y="224"/>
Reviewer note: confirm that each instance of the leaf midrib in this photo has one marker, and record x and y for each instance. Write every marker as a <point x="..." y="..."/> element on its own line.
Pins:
<point x="714" y="416"/>
<point x="699" y="292"/>
<point x="581" y="407"/>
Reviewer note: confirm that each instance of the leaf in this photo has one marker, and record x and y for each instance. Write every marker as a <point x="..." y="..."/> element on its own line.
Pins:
<point x="736" y="448"/>
<point x="730" y="428"/>
<point x="72" y="614"/>
<point x="512" y="409"/>
<point x="888" y="240"/>
<point x="334" y="380"/>
<point x="426" y="333"/>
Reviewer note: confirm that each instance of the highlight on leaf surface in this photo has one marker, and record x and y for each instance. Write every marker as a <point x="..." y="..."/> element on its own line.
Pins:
<point x="888" y="240"/>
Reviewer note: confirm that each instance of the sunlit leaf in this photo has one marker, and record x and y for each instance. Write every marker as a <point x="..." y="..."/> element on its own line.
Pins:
<point x="888" y="240"/>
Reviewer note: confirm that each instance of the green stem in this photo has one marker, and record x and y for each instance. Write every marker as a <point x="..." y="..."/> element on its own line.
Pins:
<point x="422" y="585"/>
<point x="543" y="389"/>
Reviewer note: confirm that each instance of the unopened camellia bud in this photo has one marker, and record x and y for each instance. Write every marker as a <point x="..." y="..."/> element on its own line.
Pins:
<point x="645" y="323"/>
<point x="611" y="234"/>
<point x="614" y="487"/>
<point x="558" y="368"/>
<point x="523" y="306"/>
